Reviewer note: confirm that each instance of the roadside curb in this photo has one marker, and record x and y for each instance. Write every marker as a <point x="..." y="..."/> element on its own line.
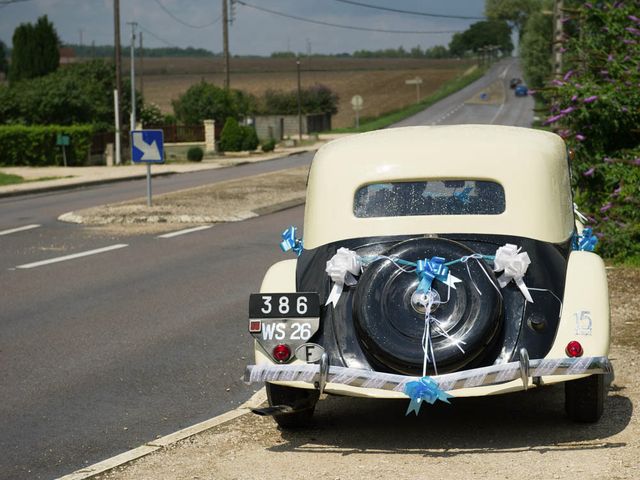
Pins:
<point x="104" y="466"/>
<point x="87" y="183"/>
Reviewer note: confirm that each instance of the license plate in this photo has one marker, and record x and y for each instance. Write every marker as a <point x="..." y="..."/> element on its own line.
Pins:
<point x="287" y="330"/>
<point x="284" y="305"/>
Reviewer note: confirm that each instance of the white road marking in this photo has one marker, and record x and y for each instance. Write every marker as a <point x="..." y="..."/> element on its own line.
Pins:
<point x="19" y="229"/>
<point x="497" y="113"/>
<point x="183" y="232"/>
<point x="72" y="256"/>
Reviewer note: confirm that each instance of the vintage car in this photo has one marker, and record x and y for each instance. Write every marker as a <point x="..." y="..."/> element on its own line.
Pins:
<point x="437" y="263"/>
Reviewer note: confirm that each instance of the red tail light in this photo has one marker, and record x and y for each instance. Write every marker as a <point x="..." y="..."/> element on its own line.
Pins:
<point x="574" y="349"/>
<point x="281" y="353"/>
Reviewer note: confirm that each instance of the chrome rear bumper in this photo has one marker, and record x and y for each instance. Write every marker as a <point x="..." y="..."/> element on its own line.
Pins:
<point x="492" y="375"/>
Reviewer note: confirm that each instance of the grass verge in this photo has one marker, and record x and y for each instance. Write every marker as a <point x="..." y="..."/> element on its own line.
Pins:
<point x="390" y="118"/>
<point x="8" y="179"/>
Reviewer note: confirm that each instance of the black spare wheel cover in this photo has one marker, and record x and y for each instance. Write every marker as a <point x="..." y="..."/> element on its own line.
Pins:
<point x="391" y="329"/>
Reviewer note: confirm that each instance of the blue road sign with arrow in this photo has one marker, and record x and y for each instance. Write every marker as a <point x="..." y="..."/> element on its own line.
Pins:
<point x="147" y="146"/>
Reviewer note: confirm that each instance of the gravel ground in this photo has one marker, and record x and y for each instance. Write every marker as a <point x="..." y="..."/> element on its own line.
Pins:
<point x="521" y="435"/>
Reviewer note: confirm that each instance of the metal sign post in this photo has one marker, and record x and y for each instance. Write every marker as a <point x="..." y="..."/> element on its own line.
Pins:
<point x="357" y="103"/>
<point x="147" y="146"/>
<point x="63" y="141"/>
<point x="417" y="81"/>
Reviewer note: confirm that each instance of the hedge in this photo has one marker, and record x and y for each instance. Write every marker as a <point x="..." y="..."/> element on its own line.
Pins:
<point x="35" y="146"/>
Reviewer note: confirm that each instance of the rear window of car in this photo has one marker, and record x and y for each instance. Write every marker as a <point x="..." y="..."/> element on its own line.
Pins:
<point x="433" y="197"/>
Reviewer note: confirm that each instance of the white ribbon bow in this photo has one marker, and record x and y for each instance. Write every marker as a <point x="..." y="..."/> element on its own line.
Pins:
<point x="514" y="264"/>
<point x="342" y="268"/>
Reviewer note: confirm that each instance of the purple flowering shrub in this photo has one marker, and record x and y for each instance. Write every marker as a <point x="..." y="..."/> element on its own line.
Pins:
<point x="595" y="107"/>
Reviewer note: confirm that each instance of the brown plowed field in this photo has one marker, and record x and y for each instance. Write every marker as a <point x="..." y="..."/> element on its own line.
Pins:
<point x="380" y="82"/>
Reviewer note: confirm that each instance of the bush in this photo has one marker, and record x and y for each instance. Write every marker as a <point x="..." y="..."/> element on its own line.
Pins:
<point x="595" y="106"/>
<point x="236" y="138"/>
<point x="249" y="139"/>
<point x="269" y="145"/>
<point x="195" y="154"/>
<point x="231" y="136"/>
<point x="205" y="101"/>
<point x="36" y="145"/>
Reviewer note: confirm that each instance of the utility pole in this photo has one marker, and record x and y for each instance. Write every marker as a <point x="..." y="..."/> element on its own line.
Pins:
<point x="299" y="101"/>
<point x="141" y="74"/>
<point x="558" y="33"/>
<point x="225" y="42"/>
<point x="118" y="59"/>
<point x="133" y="74"/>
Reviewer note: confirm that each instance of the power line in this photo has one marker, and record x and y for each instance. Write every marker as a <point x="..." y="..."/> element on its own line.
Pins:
<point x="4" y="3"/>
<point x="410" y="12"/>
<point x="337" y="25"/>
<point x="179" y="20"/>
<point x="160" y="39"/>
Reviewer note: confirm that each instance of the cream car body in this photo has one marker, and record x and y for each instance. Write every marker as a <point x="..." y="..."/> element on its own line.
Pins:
<point x="532" y="168"/>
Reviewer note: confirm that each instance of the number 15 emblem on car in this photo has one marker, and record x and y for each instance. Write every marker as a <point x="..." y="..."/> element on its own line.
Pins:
<point x="289" y="319"/>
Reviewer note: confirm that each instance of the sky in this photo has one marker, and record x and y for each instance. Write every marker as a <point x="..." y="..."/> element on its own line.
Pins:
<point x="253" y="32"/>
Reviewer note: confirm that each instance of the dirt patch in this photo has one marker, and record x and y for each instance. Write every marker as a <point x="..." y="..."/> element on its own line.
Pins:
<point x="521" y="435"/>
<point x="228" y="201"/>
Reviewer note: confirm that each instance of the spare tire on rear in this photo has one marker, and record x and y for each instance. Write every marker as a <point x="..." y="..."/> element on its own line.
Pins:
<point x="391" y="326"/>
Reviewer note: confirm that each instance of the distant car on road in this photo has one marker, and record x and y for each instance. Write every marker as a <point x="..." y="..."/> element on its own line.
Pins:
<point x="437" y="262"/>
<point x="514" y="82"/>
<point x="521" y="91"/>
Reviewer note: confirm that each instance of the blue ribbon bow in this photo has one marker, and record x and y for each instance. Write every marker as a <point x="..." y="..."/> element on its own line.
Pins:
<point x="463" y="196"/>
<point x="427" y="270"/>
<point x="586" y="242"/>
<point x="424" y="389"/>
<point x="290" y="242"/>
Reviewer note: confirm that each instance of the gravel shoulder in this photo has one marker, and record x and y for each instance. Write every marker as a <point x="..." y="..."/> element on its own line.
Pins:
<point x="521" y="435"/>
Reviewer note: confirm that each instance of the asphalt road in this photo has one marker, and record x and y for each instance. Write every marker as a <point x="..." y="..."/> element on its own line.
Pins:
<point x="104" y="352"/>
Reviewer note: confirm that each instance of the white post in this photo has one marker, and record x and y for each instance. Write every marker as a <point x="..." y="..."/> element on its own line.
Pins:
<point x="116" y="102"/>
<point x="133" y="75"/>
<point x="209" y="136"/>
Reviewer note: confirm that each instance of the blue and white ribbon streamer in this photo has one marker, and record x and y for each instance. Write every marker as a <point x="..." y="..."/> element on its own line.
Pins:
<point x="585" y="242"/>
<point x="425" y="389"/>
<point x="428" y="270"/>
<point x="290" y="242"/>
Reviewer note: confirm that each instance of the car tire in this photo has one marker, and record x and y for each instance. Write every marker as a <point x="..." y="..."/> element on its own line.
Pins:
<point x="302" y="400"/>
<point x="390" y="328"/>
<point x="584" y="398"/>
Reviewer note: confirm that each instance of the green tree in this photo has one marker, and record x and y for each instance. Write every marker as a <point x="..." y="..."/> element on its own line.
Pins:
<point x="514" y="11"/>
<point x="205" y="101"/>
<point x="79" y="93"/>
<point x="595" y="106"/>
<point x="4" y="65"/>
<point x="35" y="50"/>
<point x="316" y="99"/>
<point x="536" y="49"/>
<point x="482" y="34"/>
